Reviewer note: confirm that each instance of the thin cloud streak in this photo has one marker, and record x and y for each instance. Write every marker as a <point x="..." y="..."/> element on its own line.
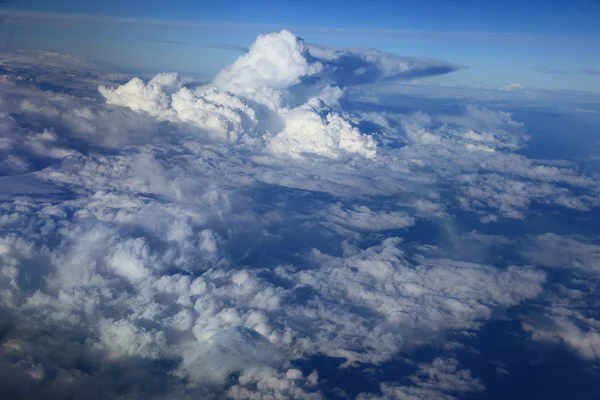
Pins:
<point x="590" y="71"/>
<point x="549" y="70"/>
<point x="121" y="22"/>
<point x="223" y="46"/>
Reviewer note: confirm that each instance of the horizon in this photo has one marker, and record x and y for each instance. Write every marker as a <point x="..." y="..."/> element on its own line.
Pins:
<point x="558" y="49"/>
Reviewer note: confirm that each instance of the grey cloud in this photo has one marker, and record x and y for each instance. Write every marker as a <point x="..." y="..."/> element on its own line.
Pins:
<point x="353" y="66"/>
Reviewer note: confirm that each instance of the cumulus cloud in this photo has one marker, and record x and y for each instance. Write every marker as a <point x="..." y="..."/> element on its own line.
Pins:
<point x="291" y="111"/>
<point x="274" y="61"/>
<point x="151" y="98"/>
<point x="279" y="72"/>
<point x="281" y="60"/>
<point x="271" y="384"/>
<point x="476" y="151"/>
<point x="312" y="128"/>
<point x="206" y="238"/>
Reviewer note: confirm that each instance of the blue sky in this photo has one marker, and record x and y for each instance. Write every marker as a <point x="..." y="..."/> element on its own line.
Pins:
<point x="543" y="44"/>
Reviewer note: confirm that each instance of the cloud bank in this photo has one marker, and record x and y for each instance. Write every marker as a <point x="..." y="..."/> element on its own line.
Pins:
<point x="166" y="241"/>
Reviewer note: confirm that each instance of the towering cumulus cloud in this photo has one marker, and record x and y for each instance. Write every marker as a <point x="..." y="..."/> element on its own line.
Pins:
<point x="283" y="92"/>
<point x="179" y="242"/>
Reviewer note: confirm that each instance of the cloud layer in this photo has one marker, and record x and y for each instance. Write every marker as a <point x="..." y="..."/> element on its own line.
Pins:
<point x="170" y="241"/>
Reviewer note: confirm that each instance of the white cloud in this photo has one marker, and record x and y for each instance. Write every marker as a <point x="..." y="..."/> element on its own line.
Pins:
<point x="513" y="86"/>
<point x="135" y="94"/>
<point x="263" y="77"/>
<point x="363" y="218"/>
<point x="275" y="61"/>
<point x="551" y="250"/>
<point x="563" y="325"/>
<point x="312" y="128"/>
<point x="207" y="237"/>
<point x="568" y="316"/>
<point x="438" y="380"/>
<point x="129" y="259"/>
<point x="124" y="339"/>
<point x="402" y="297"/>
<point x="267" y="383"/>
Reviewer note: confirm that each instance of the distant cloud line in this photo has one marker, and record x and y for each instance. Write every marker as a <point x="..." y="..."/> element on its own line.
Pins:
<point x="549" y="70"/>
<point x="59" y="18"/>
<point x="224" y="46"/>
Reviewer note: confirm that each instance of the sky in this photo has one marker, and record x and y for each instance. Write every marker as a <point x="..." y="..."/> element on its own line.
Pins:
<point x="552" y="45"/>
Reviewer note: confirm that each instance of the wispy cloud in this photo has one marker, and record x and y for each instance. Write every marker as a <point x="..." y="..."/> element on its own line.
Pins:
<point x="590" y="71"/>
<point x="550" y="70"/>
<point x="207" y="45"/>
<point x="43" y="18"/>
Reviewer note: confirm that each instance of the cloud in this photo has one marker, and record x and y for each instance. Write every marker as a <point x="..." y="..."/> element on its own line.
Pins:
<point x="312" y="128"/>
<point x="573" y="328"/>
<point x="590" y="71"/>
<point x="269" y="77"/>
<point x="164" y="240"/>
<point x="363" y="218"/>
<point x="281" y="60"/>
<point x="53" y="19"/>
<point x="549" y="70"/>
<point x="437" y="380"/>
<point x="275" y="61"/>
<point x="351" y="66"/>
<point x="141" y="97"/>
<point x="584" y="71"/>
<point x="207" y="45"/>
<point x="475" y="153"/>
<point x="567" y="316"/>
<point x="513" y="86"/>
<point x="269" y="383"/>
<point x="551" y="250"/>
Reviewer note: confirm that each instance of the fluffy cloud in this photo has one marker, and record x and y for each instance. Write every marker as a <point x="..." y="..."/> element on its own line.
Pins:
<point x="206" y="238"/>
<point x="275" y="61"/>
<point x="263" y="78"/>
<point x="312" y="128"/>
<point x="271" y="384"/>
<point x="152" y="97"/>
<point x="270" y="83"/>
